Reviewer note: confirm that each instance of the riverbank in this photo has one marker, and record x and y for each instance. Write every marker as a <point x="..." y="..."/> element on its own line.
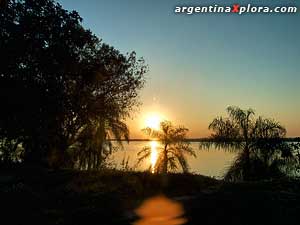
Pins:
<point x="40" y="196"/>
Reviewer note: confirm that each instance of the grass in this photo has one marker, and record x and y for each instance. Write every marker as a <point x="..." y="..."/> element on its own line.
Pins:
<point x="40" y="196"/>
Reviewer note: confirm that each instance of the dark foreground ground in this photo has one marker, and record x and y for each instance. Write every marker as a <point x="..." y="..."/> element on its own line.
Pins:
<point x="40" y="196"/>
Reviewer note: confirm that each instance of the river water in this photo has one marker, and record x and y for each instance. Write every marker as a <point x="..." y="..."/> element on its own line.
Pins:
<point x="212" y="162"/>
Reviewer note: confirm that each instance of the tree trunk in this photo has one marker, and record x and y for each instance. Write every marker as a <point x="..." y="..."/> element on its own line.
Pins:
<point x="165" y="160"/>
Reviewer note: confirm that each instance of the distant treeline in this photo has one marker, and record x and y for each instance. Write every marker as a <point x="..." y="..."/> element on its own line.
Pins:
<point x="288" y="139"/>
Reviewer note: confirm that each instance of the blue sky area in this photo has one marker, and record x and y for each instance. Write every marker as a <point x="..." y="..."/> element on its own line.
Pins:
<point x="201" y="63"/>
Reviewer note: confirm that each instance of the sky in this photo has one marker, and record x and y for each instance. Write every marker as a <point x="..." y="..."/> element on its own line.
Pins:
<point x="199" y="64"/>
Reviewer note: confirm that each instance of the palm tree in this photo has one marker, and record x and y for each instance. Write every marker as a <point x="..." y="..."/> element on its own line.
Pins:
<point x="174" y="148"/>
<point x="262" y="151"/>
<point x="94" y="142"/>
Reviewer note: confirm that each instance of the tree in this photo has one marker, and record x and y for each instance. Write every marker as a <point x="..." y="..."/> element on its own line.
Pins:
<point x="263" y="153"/>
<point x="57" y="78"/>
<point x="93" y="144"/>
<point x="174" y="148"/>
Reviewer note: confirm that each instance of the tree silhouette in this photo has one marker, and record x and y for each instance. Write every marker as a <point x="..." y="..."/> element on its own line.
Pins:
<point x="174" y="148"/>
<point x="57" y="78"/>
<point x="94" y="143"/>
<point x="263" y="153"/>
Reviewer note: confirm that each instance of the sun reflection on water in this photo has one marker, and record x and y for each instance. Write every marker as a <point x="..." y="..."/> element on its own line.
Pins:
<point x="154" y="154"/>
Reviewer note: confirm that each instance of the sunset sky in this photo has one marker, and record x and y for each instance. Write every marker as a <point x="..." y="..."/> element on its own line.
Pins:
<point x="200" y="64"/>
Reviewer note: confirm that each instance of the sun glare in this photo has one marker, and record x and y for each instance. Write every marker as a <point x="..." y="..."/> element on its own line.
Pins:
<point x="153" y="121"/>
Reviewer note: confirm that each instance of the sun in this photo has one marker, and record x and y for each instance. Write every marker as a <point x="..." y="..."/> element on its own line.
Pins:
<point x="153" y="121"/>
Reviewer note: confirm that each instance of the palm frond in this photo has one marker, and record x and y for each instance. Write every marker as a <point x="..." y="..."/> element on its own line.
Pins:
<point x="174" y="147"/>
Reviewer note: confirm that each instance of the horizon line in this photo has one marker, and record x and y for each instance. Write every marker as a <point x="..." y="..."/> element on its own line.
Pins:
<point x="192" y="139"/>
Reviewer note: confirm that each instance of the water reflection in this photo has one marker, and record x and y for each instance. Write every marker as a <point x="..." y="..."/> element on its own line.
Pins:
<point x="209" y="163"/>
<point x="154" y="154"/>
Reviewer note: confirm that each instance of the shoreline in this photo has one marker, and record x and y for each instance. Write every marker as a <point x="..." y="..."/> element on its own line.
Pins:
<point x="66" y="197"/>
<point x="287" y="139"/>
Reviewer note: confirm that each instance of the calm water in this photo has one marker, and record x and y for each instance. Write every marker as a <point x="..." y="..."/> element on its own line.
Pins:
<point x="210" y="163"/>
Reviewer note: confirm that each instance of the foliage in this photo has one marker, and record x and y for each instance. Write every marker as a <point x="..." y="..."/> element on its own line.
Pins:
<point x="10" y="151"/>
<point x="61" y="86"/>
<point x="173" y="150"/>
<point x="93" y="144"/>
<point x="262" y="151"/>
<point x="125" y="167"/>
